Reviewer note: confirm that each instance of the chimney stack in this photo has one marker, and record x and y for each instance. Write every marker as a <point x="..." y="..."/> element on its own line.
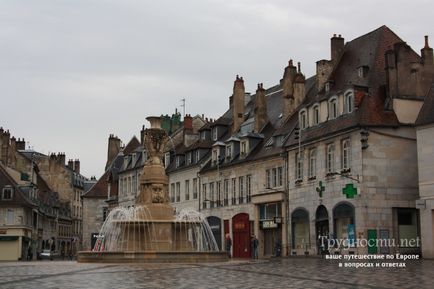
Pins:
<point x="114" y="147"/>
<point x="77" y="166"/>
<point x="260" y="109"/>
<point x="299" y="87"/>
<point x="238" y="103"/>
<point x="21" y="144"/>
<point x="70" y="164"/>
<point x="142" y="135"/>
<point x="288" y="89"/>
<point x="427" y="53"/>
<point x="61" y="159"/>
<point x="337" y="44"/>
<point x="188" y="122"/>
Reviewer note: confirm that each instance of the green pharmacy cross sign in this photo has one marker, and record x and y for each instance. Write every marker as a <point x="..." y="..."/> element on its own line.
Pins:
<point x="320" y="189"/>
<point x="350" y="191"/>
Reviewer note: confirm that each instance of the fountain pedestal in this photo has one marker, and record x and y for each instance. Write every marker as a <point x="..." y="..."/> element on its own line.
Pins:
<point x="150" y="231"/>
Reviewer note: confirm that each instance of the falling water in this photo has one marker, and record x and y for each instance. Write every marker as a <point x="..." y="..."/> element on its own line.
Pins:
<point x="134" y="229"/>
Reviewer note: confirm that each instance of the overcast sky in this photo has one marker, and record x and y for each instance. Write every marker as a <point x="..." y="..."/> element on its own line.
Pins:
<point x="72" y="72"/>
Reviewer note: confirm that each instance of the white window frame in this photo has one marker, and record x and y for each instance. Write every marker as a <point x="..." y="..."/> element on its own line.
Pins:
<point x="299" y="166"/>
<point x="197" y="156"/>
<point x="330" y="158"/>
<point x="312" y="163"/>
<point x="11" y="190"/>
<point x="315" y="114"/>
<point x="333" y="107"/>
<point x="229" y="151"/>
<point x="243" y="148"/>
<point x="349" y="101"/>
<point x="346" y="154"/>
<point x="215" y="133"/>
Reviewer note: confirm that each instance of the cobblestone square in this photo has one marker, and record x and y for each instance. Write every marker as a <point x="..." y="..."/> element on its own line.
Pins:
<point x="273" y="273"/>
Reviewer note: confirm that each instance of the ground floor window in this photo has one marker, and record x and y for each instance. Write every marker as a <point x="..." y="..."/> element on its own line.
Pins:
<point x="300" y="229"/>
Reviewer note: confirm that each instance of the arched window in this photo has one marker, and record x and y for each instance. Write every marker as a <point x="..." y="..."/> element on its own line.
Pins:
<point x="333" y="108"/>
<point x="349" y="102"/>
<point x="299" y="166"/>
<point x="315" y="114"/>
<point x="303" y="119"/>
<point x="345" y="154"/>
<point x="330" y="158"/>
<point x="312" y="163"/>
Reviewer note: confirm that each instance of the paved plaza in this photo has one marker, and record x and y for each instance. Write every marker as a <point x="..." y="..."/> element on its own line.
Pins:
<point x="273" y="273"/>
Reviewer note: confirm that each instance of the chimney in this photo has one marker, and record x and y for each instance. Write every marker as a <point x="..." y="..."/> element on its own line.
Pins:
<point x="427" y="53"/>
<point x="142" y="135"/>
<point x="77" y="166"/>
<point x="21" y="144"/>
<point x="260" y="109"/>
<point x="13" y="148"/>
<point x="288" y="89"/>
<point x="61" y="158"/>
<point x="70" y="164"/>
<point x="114" y="147"/>
<point x="299" y="87"/>
<point x="337" y="47"/>
<point x="238" y="103"/>
<point x="188" y="122"/>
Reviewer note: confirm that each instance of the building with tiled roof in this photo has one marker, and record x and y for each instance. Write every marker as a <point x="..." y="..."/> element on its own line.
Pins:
<point x="352" y="167"/>
<point x="425" y="156"/>
<point x="324" y="157"/>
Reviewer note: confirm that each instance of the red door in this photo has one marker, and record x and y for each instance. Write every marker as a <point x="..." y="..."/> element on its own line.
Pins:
<point x="241" y="236"/>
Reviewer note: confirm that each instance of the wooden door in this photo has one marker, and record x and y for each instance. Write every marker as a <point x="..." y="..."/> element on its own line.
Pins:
<point x="241" y="236"/>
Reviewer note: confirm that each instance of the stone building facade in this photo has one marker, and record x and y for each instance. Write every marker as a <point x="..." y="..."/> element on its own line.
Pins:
<point x="352" y="161"/>
<point x="425" y="152"/>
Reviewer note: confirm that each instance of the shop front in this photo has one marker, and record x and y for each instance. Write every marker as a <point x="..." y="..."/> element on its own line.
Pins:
<point x="270" y="225"/>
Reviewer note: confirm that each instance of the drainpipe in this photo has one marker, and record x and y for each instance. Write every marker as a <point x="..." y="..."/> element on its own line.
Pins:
<point x="284" y="156"/>
<point x="198" y="188"/>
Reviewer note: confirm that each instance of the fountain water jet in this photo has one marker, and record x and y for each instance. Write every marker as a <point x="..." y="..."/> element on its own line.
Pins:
<point x="151" y="231"/>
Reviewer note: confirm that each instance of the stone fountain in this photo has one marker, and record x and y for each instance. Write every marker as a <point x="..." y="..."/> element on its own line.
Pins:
<point x="152" y="231"/>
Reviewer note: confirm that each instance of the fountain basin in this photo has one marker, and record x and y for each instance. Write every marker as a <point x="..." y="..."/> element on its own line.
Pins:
<point x="151" y="257"/>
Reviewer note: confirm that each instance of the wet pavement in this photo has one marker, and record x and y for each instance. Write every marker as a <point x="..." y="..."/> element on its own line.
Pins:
<point x="272" y="273"/>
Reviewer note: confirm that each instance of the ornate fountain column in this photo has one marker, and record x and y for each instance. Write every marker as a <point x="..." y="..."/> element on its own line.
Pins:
<point x="154" y="183"/>
<point x="154" y="189"/>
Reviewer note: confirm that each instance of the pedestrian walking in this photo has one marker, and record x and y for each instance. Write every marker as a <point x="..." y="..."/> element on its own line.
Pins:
<point x="254" y="247"/>
<point x="228" y="245"/>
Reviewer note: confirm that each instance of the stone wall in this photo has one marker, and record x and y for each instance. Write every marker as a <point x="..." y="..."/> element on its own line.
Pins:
<point x="92" y="218"/>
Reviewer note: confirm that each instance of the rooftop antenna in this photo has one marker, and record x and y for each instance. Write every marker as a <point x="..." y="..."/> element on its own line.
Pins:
<point x="183" y="106"/>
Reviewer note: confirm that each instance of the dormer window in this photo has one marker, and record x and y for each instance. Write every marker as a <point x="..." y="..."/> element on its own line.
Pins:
<point x="333" y="108"/>
<point x="203" y="135"/>
<point x="214" y="133"/>
<point x="362" y="71"/>
<point x="303" y="119"/>
<point x="215" y="155"/>
<point x="189" y="158"/>
<point x="166" y="160"/>
<point x="7" y="193"/>
<point x="243" y="148"/>
<point x="315" y="114"/>
<point x="178" y="161"/>
<point x="197" y="155"/>
<point x="349" y="102"/>
<point x="327" y="87"/>
<point x="229" y="152"/>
